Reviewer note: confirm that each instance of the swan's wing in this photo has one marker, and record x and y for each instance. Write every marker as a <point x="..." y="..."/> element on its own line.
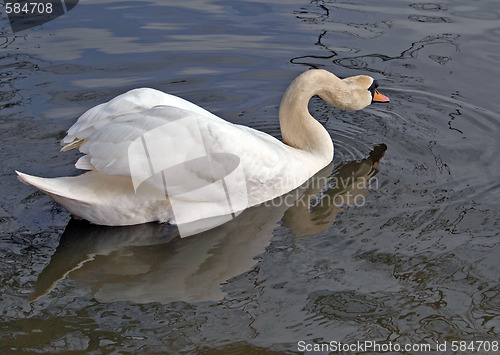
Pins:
<point x="133" y="101"/>
<point x="107" y="148"/>
<point x="142" y="144"/>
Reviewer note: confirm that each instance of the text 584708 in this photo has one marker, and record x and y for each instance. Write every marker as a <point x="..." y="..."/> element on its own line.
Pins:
<point x="28" y="8"/>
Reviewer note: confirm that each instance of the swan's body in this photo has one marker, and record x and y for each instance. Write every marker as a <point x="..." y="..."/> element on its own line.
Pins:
<point x="107" y="194"/>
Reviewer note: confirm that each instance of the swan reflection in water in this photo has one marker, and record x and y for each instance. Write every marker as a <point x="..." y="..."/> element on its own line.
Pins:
<point x="151" y="263"/>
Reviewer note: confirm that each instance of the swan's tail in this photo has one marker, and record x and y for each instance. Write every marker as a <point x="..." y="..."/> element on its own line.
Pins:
<point x="63" y="190"/>
<point x="50" y="186"/>
<point x="35" y="181"/>
<point x="102" y="199"/>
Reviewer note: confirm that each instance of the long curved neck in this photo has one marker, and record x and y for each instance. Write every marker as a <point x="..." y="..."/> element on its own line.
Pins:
<point x="298" y="128"/>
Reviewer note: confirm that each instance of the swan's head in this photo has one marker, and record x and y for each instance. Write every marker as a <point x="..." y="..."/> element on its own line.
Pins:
<point x="376" y="96"/>
<point x="357" y="92"/>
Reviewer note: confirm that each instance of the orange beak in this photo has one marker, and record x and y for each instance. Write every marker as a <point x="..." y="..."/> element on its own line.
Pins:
<point x="378" y="97"/>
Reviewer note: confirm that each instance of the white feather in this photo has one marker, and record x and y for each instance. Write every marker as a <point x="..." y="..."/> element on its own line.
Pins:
<point x="115" y="137"/>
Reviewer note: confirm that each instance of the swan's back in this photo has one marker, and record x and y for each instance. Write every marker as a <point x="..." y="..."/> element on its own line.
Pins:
<point x="133" y="101"/>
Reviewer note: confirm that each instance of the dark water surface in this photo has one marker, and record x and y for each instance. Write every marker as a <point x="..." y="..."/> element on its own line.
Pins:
<point x="415" y="260"/>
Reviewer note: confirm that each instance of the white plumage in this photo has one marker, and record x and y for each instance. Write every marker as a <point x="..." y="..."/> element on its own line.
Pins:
<point x="108" y="195"/>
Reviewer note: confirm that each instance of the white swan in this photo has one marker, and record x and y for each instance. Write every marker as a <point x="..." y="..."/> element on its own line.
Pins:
<point x="108" y="193"/>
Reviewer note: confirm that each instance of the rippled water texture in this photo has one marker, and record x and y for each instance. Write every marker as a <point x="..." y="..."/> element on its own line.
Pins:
<point x="412" y="259"/>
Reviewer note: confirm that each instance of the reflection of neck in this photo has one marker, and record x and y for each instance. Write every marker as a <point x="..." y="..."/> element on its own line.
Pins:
<point x="351" y="180"/>
<point x="298" y="128"/>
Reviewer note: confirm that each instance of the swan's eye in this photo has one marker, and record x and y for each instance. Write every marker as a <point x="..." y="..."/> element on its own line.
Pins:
<point x="373" y="87"/>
